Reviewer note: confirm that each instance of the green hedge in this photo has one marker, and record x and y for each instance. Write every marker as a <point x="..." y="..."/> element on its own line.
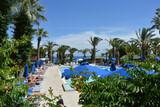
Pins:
<point x="139" y="91"/>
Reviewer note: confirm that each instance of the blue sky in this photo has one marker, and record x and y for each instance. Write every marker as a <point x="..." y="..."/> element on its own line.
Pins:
<point x="72" y="22"/>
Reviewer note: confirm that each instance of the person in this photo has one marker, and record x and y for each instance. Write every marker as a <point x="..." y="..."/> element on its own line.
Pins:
<point x="60" y="103"/>
<point x="34" y="80"/>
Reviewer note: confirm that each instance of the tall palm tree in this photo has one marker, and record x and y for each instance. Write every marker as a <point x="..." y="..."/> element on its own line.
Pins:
<point x="49" y="47"/>
<point x="28" y="12"/>
<point x="84" y="52"/>
<point x="31" y="8"/>
<point x="94" y="42"/>
<point x="144" y="37"/>
<point x="119" y="45"/>
<point x="61" y="53"/>
<point x="112" y="42"/>
<point x="156" y="20"/>
<point x="40" y="33"/>
<point x="72" y="51"/>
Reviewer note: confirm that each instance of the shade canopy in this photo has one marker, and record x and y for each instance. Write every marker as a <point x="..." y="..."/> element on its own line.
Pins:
<point x="113" y="67"/>
<point x="39" y="63"/>
<point x="127" y="65"/>
<point x="33" y="69"/>
<point x="87" y="71"/>
<point x="84" y="70"/>
<point x="36" y="64"/>
<point x="157" y="58"/>
<point x="26" y="71"/>
<point x="143" y="58"/>
<point x="120" y="71"/>
<point x="152" y="72"/>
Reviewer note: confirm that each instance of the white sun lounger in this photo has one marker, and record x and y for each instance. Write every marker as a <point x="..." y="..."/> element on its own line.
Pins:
<point x="67" y="87"/>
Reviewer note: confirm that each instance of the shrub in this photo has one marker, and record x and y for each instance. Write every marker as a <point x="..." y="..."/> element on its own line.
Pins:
<point x="141" y="90"/>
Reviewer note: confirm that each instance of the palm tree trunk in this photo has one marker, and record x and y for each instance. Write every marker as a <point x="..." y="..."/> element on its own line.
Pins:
<point x="106" y="56"/>
<point x="118" y="57"/>
<point x="84" y="55"/>
<point x="57" y="57"/>
<point x="49" y="53"/>
<point x="38" y="47"/>
<point x="94" y="55"/>
<point x="63" y="58"/>
<point x="51" y="56"/>
<point x="71" y="57"/>
<point x="143" y="52"/>
<point x="113" y="52"/>
<point x="60" y="58"/>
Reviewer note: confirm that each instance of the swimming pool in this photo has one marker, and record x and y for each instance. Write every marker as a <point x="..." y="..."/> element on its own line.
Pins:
<point x="101" y="71"/>
<point x="62" y="68"/>
<point x="68" y="81"/>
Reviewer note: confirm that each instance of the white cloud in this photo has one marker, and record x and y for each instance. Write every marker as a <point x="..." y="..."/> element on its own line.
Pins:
<point x="80" y="40"/>
<point x="76" y="40"/>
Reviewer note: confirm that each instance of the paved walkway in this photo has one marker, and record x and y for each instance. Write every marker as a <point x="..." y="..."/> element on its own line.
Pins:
<point x="52" y="79"/>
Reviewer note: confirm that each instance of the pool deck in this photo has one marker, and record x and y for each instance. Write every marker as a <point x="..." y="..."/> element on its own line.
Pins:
<point x="52" y="79"/>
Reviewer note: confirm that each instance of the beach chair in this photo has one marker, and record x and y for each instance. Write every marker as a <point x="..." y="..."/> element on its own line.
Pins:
<point x="38" y="77"/>
<point x="34" y="93"/>
<point x="66" y="87"/>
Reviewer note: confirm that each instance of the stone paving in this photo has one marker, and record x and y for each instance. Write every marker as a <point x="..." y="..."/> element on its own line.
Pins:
<point x="53" y="79"/>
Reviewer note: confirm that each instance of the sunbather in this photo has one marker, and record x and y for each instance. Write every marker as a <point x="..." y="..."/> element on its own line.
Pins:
<point x="32" y="81"/>
<point x="41" y="71"/>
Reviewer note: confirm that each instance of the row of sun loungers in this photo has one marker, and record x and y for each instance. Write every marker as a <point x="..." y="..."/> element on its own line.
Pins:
<point x="34" y="83"/>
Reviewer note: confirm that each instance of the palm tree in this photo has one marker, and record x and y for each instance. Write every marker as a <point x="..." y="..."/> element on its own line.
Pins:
<point x="49" y="47"/>
<point x="116" y="44"/>
<point x="40" y="33"/>
<point x="72" y="51"/>
<point x="131" y="49"/>
<point x="144" y="37"/>
<point x="119" y="45"/>
<point x="84" y="52"/>
<point x="156" y="20"/>
<point x="61" y="53"/>
<point x="112" y="42"/>
<point x="28" y="13"/>
<point x="94" y="42"/>
<point x="106" y="54"/>
<point x="43" y="51"/>
<point x="31" y="8"/>
<point x="155" y="44"/>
